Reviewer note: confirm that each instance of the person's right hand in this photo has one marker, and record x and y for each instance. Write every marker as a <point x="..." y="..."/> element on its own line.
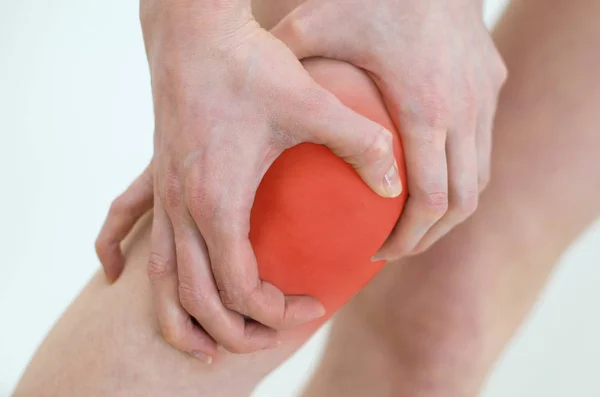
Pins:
<point x="229" y="98"/>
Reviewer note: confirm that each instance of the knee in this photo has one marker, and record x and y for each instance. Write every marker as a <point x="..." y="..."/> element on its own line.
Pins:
<point x="436" y="343"/>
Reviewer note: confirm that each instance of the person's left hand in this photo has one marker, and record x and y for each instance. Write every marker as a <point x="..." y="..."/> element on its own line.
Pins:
<point x="440" y="74"/>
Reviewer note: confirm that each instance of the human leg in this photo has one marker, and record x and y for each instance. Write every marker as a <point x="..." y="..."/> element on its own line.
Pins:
<point x="433" y="325"/>
<point x="109" y="343"/>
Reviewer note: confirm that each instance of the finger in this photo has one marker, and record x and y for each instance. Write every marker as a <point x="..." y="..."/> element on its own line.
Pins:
<point x="199" y="296"/>
<point x="361" y="142"/>
<point x="176" y="325"/>
<point x="122" y="216"/>
<point x="483" y="142"/>
<point x="462" y="183"/>
<point x="427" y="174"/>
<point x="301" y="31"/>
<point x="366" y="145"/>
<point x="220" y="206"/>
<point x="240" y="288"/>
<point x="224" y="223"/>
<point x="486" y="117"/>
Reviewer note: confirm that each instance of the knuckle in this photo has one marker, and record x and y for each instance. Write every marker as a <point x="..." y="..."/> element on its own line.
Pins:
<point x="234" y="299"/>
<point x="378" y="145"/>
<point x="435" y="117"/>
<point x="171" y="333"/>
<point x="230" y="300"/>
<point x="429" y="107"/>
<point x="436" y="203"/>
<point x="120" y="207"/>
<point x="159" y="267"/>
<point x="191" y="296"/>
<point x="172" y="191"/>
<point x="466" y="202"/>
<point x="297" y="26"/>
<point x="197" y="195"/>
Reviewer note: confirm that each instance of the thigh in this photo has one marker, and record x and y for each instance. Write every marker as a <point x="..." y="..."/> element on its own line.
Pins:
<point x="108" y="343"/>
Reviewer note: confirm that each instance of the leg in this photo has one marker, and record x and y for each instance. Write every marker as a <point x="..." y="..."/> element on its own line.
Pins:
<point x="434" y="324"/>
<point x="108" y="342"/>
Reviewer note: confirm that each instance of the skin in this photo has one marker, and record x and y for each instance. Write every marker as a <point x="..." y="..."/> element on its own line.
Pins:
<point x="110" y="341"/>
<point x="433" y="325"/>
<point x="430" y="326"/>
<point x="214" y="140"/>
<point x="444" y="113"/>
<point x="216" y="137"/>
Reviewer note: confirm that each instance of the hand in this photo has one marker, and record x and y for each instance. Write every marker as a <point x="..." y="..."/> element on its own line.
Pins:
<point x="227" y="102"/>
<point x="440" y="75"/>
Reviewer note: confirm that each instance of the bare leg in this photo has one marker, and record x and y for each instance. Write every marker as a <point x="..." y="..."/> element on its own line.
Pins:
<point x="434" y="324"/>
<point x="108" y="342"/>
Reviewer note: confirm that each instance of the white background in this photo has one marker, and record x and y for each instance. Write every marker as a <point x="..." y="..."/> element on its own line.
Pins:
<point x="76" y="128"/>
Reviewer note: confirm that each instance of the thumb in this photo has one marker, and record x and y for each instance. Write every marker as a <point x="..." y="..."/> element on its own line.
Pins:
<point x="302" y="31"/>
<point x="359" y="141"/>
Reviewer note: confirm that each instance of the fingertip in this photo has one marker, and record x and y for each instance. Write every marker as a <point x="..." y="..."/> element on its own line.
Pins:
<point x="301" y="309"/>
<point x="391" y="250"/>
<point x="373" y="157"/>
<point x="114" y="272"/>
<point x="201" y="356"/>
<point x="293" y="31"/>
<point x="112" y="261"/>
<point x="205" y="348"/>
<point x="379" y="257"/>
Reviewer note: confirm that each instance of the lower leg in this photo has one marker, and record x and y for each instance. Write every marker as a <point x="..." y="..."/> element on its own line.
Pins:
<point x="434" y="324"/>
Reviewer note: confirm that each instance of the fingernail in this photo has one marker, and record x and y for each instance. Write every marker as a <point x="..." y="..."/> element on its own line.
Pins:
<point x="316" y="314"/>
<point x="202" y="357"/>
<point x="377" y="258"/>
<point x="322" y="312"/>
<point x="391" y="181"/>
<point x="274" y="344"/>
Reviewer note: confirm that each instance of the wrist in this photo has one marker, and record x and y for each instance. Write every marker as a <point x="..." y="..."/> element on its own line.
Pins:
<point x="206" y="9"/>
<point x="171" y="25"/>
<point x="192" y="19"/>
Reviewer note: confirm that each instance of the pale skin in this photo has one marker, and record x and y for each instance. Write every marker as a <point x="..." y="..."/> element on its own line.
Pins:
<point x="433" y="325"/>
<point x="216" y="137"/>
<point x="430" y="326"/>
<point x="116" y="346"/>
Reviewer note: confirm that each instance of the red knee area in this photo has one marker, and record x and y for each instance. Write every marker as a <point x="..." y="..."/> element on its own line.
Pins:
<point x="315" y="224"/>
